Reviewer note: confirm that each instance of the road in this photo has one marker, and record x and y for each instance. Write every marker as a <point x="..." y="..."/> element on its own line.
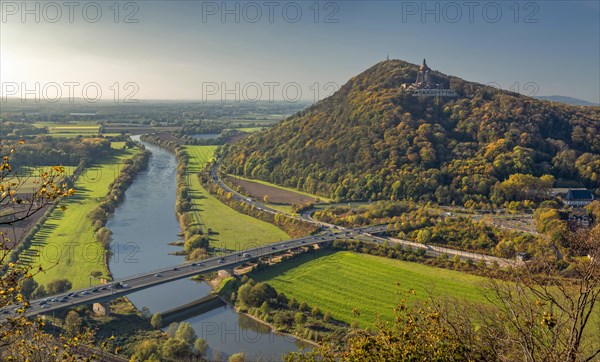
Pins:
<point x="430" y="250"/>
<point x="149" y="279"/>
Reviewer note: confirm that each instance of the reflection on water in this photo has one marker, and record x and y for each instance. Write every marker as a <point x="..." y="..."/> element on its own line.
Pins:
<point x="228" y="332"/>
<point x="142" y="228"/>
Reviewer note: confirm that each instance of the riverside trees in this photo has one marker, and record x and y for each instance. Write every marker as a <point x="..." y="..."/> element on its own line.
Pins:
<point x="22" y="339"/>
<point x="542" y="312"/>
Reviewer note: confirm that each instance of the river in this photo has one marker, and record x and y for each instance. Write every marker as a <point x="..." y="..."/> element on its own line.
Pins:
<point x="142" y="227"/>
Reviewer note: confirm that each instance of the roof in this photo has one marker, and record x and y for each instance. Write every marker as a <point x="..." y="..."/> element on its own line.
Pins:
<point x="578" y="195"/>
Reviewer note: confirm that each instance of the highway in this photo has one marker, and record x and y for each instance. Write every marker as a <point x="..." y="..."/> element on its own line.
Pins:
<point x="367" y="232"/>
<point x="135" y="283"/>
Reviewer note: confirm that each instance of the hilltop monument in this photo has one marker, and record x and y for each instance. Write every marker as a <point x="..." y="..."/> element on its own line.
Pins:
<point x="425" y="87"/>
<point x="423" y="80"/>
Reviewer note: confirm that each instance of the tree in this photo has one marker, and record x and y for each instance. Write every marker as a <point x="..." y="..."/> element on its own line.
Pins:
<point x="254" y="295"/>
<point x="195" y="242"/>
<point x="547" y="314"/>
<point x="299" y="318"/>
<point x="146" y="350"/>
<point x="541" y="313"/>
<point x="39" y="292"/>
<point x="21" y="338"/>
<point x="28" y="286"/>
<point x="58" y="286"/>
<point x="264" y="308"/>
<point x="186" y="333"/>
<point x="237" y="357"/>
<point x="200" y="346"/>
<point x="156" y="320"/>
<point x="293" y="303"/>
<point x="198" y="254"/>
<point x="172" y="329"/>
<point x="424" y="236"/>
<point x="176" y="349"/>
<point x="73" y="323"/>
<point x="413" y="335"/>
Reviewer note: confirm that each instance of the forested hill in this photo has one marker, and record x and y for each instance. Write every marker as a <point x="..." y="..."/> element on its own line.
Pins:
<point x="373" y="140"/>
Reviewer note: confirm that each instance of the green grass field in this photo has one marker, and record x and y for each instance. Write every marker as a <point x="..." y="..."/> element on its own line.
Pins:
<point x="323" y="199"/>
<point x="251" y="129"/>
<point x="65" y="246"/>
<point x="286" y="209"/>
<point x="338" y="282"/>
<point x="117" y="145"/>
<point x="29" y="177"/>
<point x="70" y="129"/>
<point x="235" y="230"/>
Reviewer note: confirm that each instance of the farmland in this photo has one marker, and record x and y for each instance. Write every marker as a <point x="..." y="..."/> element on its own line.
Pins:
<point x="70" y="129"/>
<point x="339" y="282"/>
<point x="251" y="129"/>
<point x="277" y="194"/>
<point x="232" y="230"/>
<point x="65" y="246"/>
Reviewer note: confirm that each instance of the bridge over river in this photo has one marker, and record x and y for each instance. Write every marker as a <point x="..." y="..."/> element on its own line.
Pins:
<point x="150" y="279"/>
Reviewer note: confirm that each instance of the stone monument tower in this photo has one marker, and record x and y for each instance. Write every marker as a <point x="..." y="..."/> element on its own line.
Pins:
<point x="424" y="77"/>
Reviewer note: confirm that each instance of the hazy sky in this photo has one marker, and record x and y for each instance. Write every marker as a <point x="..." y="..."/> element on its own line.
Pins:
<point x="202" y="50"/>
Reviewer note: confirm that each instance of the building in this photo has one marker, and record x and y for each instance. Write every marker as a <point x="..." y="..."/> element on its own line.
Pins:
<point x="423" y="80"/>
<point x="424" y="86"/>
<point x="578" y="197"/>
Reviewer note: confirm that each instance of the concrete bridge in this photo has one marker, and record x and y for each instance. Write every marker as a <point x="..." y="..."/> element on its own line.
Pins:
<point x="121" y="287"/>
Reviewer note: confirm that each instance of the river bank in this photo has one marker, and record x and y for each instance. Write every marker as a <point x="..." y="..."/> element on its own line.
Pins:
<point x="142" y="228"/>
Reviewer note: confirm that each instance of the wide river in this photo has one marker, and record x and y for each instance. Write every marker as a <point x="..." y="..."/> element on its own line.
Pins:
<point x="142" y="228"/>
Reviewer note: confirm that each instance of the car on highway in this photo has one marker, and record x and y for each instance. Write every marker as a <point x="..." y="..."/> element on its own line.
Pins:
<point x="158" y="275"/>
<point x="221" y="261"/>
<point x="175" y="269"/>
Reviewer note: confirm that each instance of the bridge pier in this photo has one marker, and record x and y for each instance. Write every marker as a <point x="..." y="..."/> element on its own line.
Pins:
<point x="101" y="308"/>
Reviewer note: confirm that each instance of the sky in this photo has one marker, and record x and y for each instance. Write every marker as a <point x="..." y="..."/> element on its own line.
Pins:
<point x="279" y="50"/>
